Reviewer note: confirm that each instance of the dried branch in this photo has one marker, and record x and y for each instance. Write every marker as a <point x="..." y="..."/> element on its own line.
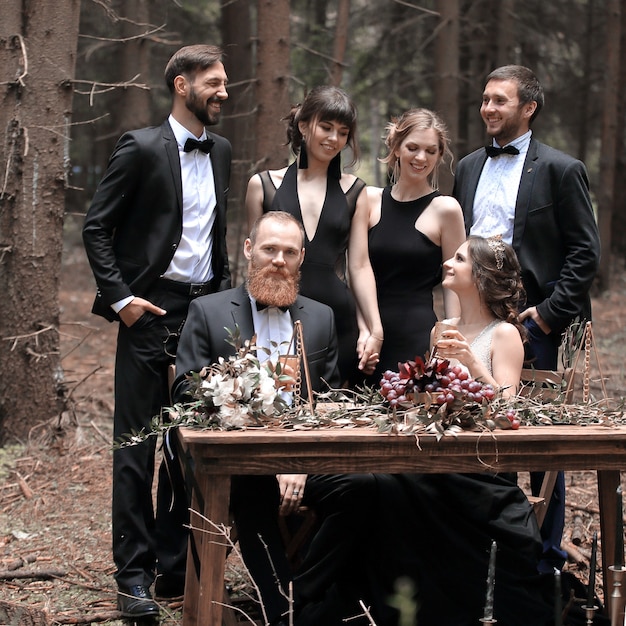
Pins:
<point x="156" y="29"/>
<point x="418" y="8"/>
<point x="27" y="492"/>
<point x="16" y="338"/>
<point x="109" y="86"/>
<point x="4" y="249"/>
<point x="81" y="381"/>
<point x="321" y="54"/>
<point x="38" y="575"/>
<point x="106" y="87"/>
<point x="87" y="618"/>
<point x="22" y="76"/>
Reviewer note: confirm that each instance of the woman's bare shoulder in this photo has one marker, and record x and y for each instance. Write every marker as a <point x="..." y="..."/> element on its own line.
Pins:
<point x="447" y="205"/>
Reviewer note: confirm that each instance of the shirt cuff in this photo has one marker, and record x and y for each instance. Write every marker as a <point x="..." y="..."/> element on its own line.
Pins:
<point x="120" y="304"/>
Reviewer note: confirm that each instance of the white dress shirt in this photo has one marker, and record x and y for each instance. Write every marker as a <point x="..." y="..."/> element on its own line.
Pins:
<point x="192" y="259"/>
<point x="274" y="332"/>
<point x="496" y="193"/>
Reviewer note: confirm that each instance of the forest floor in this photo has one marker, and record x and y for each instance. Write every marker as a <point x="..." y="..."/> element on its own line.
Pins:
<point x="55" y="557"/>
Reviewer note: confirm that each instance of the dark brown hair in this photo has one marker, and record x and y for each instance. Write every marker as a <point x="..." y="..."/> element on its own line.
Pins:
<point x="188" y="60"/>
<point x="529" y="88"/>
<point x="497" y="273"/>
<point x="324" y="104"/>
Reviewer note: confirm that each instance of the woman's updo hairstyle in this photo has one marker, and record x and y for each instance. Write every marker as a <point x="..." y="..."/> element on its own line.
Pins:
<point x="497" y="273"/>
<point x="323" y="104"/>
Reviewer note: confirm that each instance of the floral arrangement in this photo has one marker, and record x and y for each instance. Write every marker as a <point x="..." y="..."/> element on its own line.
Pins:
<point x="428" y="395"/>
<point x="233" y="393"/>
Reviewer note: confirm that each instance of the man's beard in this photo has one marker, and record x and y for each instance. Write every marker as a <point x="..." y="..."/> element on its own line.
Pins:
<point x="272" y="286"/>
<point x="199" y="109"/>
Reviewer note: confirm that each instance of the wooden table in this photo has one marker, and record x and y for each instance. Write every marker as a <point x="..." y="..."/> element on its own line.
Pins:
<point x="217" y="455"/>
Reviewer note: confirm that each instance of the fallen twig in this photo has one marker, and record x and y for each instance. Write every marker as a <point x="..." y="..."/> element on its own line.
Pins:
<point x="574" y="554"/>
<point x="87" y="618"/>
<point x="39" y="574"/>
<point x="27" y="492"/>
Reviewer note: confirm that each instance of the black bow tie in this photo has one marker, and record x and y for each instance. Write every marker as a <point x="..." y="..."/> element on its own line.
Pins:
<point x="494" y="151"/>
<point x="261" y="307"/>
<point x="193" y="144"/>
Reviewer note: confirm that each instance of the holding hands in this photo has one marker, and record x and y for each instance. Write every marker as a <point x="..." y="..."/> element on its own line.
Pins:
<point x="368" y="351"/>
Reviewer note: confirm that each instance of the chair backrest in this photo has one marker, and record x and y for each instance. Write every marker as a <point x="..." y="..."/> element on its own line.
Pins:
<point x="171" y="375"/>
<point x="547" y="384"/>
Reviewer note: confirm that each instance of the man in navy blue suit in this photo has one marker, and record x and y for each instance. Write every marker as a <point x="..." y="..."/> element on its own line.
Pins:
<point x="155" y="236"/>
<point x="538" y="199"/>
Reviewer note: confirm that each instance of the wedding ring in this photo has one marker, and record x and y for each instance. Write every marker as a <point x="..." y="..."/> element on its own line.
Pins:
<point x="296" y="492"/>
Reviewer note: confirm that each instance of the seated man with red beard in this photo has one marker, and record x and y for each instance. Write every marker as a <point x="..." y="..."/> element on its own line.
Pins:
<point x="267" y="305"/>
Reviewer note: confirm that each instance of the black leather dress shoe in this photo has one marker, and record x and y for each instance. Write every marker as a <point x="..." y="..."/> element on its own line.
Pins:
<point x="169" y="586"/>
<point x="136" y="601"/>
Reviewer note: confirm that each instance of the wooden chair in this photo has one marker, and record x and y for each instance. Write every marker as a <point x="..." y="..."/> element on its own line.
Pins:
<point x="546" y="385"/>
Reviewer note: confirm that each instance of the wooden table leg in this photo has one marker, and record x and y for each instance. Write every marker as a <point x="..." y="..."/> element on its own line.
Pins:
<point x="206" y="559"/>
<point x="608" y="481"/>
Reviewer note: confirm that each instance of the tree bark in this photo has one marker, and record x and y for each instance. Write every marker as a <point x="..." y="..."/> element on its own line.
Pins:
<point x="619" y="210"/>
<point x="238" y="123"/>
<point x="272" y="85"/>
<point x="609" y="129"/>
<point x="341" y="41"/>
<point x="446" y="87"/>
<point x="37" y="55"/>
<point x="133" y="104"/>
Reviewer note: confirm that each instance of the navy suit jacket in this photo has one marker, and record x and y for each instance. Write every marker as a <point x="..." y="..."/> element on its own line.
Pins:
<point x="555" y="233"/>
<point x="134" y="223"/>
<point x="203" y="339"/>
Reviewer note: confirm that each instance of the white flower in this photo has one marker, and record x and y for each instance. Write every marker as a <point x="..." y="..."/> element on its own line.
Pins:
<point x="220" y="389"/>
<point x="266" y="392"/>
<point x="233" y="415"/>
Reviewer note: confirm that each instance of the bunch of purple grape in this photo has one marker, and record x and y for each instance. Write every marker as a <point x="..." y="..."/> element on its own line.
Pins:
<point x="446" y="383"/>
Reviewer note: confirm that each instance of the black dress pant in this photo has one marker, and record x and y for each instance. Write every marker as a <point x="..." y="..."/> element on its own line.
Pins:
<point x="145" y="541"/>
<point x="343" y="505"/>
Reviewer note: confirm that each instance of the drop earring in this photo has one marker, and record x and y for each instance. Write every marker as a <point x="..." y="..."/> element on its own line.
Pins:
<point x="303" y="160"/>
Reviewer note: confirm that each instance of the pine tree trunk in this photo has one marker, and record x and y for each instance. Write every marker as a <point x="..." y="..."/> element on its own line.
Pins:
<point x="238" y="124"/>
<point x="609" y="145"/>
<point x="37" y="59"/>
<point x="446" y="88"/>
<point x="272" y="85"/>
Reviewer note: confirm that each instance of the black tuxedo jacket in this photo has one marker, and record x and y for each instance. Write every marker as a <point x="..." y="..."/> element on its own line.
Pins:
<point x="134" y="223"/>
<point x="555" y="233"/>
<point x="203" y="339"/>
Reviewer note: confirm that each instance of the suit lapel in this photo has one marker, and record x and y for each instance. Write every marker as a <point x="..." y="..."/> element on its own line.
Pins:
<point x="524" y="194"/>
<point x="242" y="312"/>
<point x="171" y="149"/>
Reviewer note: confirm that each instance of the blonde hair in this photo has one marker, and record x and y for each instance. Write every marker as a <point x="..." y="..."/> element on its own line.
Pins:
<point x="399" y="128"/>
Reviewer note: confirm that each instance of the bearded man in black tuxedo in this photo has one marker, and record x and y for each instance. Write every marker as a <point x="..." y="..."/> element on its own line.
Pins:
<point x="155" y="236"/>
<point x="325" y="585"/>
